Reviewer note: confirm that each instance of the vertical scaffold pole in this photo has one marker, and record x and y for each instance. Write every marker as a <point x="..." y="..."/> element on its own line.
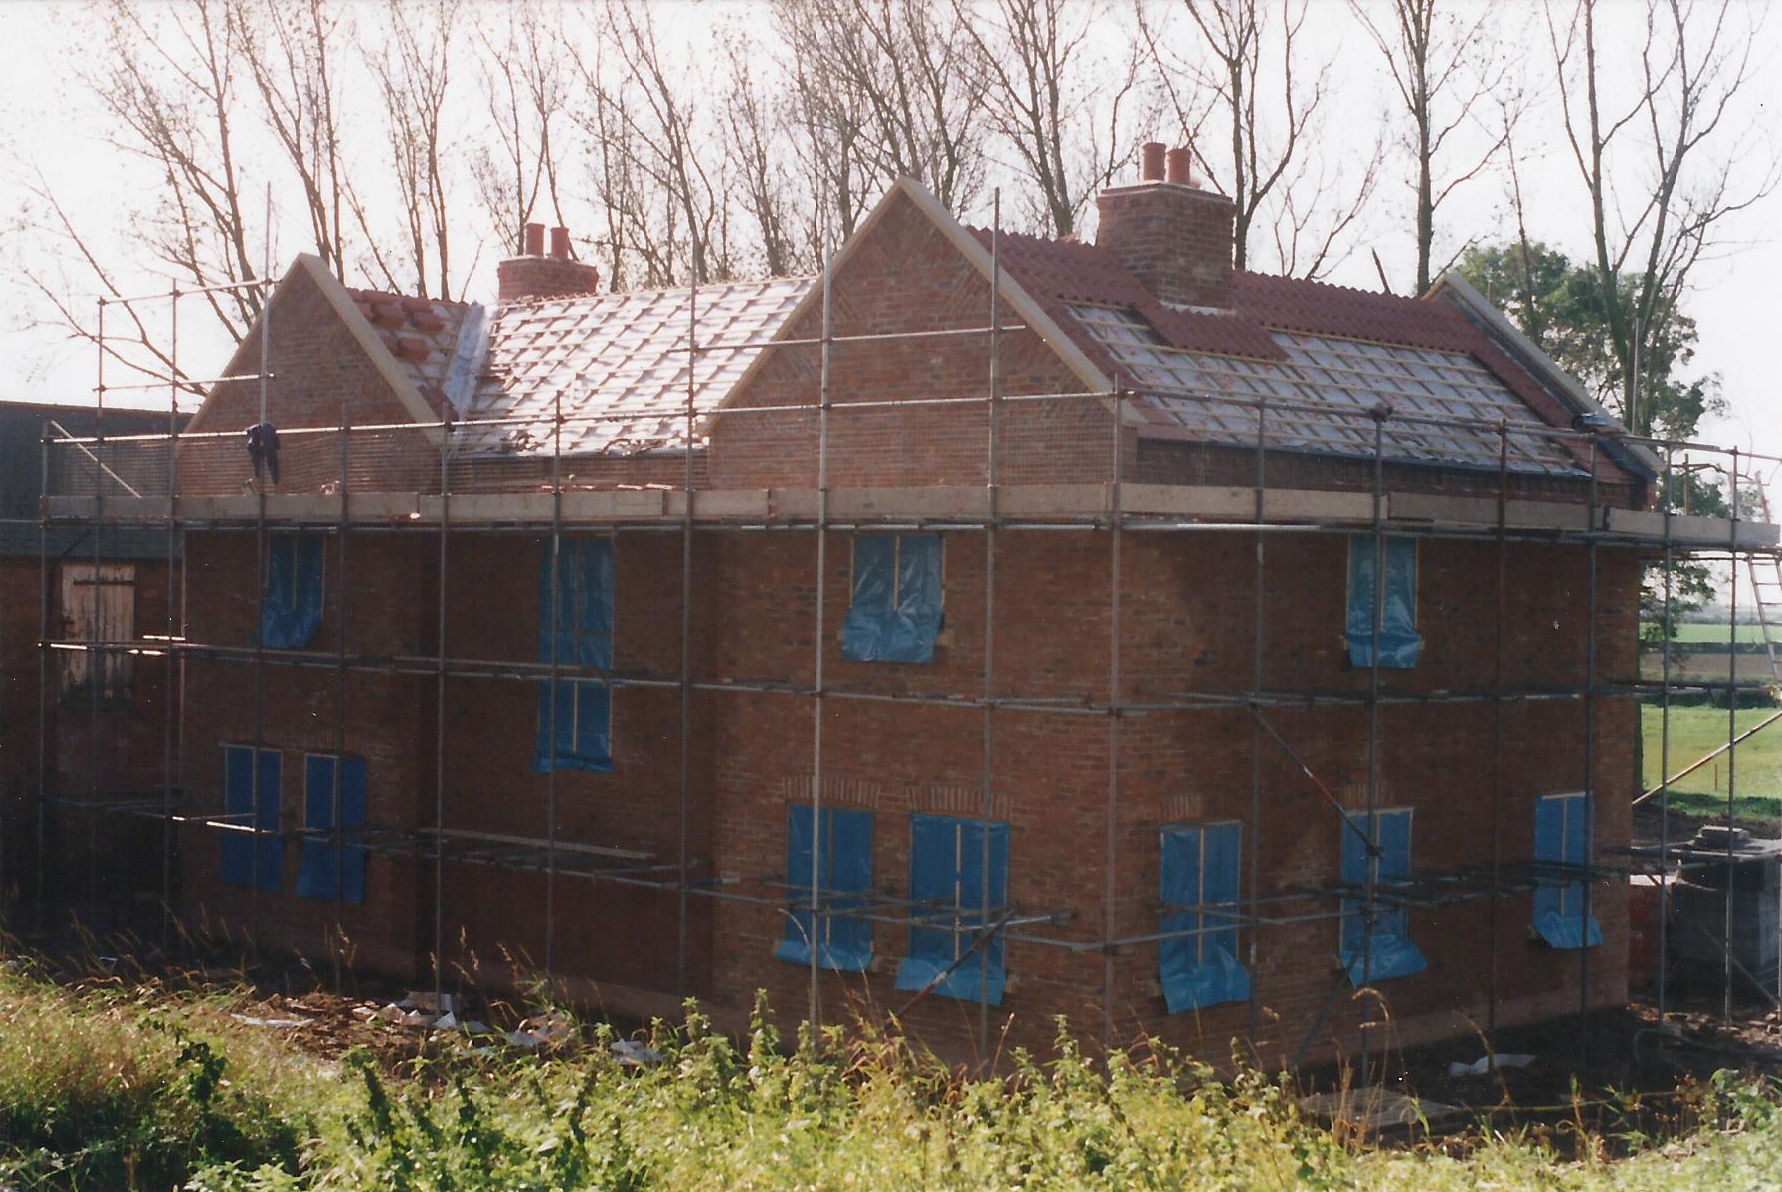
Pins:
<point x="550" y="906"/>
<point x="816" y="893"/>
<point x="1664" y="742"/>
<point x="1378" y="614"/>
<point x="987" y="805"/>
<point x="440" y="708"/>
<point x="1497" y="724"/>
<point x="1595" y="521"/>
<point x="168" y="778"/>
<point x="1258" y="645"/>
<point x="95" y="655"/>
<point x="341" y="591"/>
<point x="1110" y="880"/>
<point x="1732" y="727"/>
<point x="685" y="826"/>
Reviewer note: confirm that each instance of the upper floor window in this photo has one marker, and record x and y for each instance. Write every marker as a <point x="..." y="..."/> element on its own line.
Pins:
<point x="99" y="607"/>
<point x="1399" y="642"/>
<point x="291" y="590"/>
<point x="575" y="628"/>
<point x="895" y="611"/>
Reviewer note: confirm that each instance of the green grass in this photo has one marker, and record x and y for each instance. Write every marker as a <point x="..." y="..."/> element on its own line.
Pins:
<point x="1695" y="633"/>
<point x="106" y="1089"/>
<point x="1694" y="732"/>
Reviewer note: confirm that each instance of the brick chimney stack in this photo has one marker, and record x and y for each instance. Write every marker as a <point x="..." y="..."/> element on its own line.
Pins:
<point x="538" y="275"/>
<point x="1175" y="237"/>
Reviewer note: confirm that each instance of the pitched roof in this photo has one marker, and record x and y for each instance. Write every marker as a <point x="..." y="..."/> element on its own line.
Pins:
<point x="622" y="358"/>
<point x="419" y="334"/>
<point x="1341" y="350"/>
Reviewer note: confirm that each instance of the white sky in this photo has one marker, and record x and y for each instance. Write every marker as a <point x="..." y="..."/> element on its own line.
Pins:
<point x="1735" y="299"/>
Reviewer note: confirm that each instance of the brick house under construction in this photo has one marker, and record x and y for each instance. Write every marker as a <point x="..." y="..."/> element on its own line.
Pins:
<point x="1170" y="648"/>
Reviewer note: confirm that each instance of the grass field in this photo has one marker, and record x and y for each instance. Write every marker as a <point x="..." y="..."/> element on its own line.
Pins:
<point x="1691" y="633"/>
<point x="112" y="1087"/>
<point x="1695" y="731"/>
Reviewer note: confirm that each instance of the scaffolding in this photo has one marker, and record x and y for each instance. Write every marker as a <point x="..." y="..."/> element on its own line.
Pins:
<point x="412" y="479"/>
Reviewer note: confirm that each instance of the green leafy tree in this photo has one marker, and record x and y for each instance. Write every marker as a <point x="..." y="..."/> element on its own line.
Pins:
<point x="1558" y="304"/>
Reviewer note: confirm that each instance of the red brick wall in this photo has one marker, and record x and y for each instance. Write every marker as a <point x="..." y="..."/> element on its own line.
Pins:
<point x="1187" y="612"/>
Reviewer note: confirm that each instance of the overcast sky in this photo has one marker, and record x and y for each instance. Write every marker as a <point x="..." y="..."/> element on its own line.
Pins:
<point x="1734" y="302"/>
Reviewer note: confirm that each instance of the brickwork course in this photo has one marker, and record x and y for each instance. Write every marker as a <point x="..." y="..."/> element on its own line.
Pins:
<point x="1102" y="638"/>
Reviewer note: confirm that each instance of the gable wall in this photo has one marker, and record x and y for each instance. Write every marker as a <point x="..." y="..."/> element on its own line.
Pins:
<point x="321" y="377"/>
<point x="904" y="274"/>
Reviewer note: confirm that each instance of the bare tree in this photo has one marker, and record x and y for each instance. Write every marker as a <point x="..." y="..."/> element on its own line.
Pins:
<point x="1062" y="108"/>
<point x="286" y="49"/>
<point x="411" y="65"/>
<point x="891" y="84"/>
<point x="664" y="186"/>
<point x="754" y="124"/>
<point x="1663" y="170"/>
<point x="1449" y="68"/>
<point x="1262" y="100"/>
<point x="525" y="82"/>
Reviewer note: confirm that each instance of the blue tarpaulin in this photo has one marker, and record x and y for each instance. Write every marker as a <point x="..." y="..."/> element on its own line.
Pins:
<point x="316" y="871"/>
<point x="895" y="610"/>
<point x="1559" y="916"/>
<point x="291" y="596"/>
<point x="1199" y="868"/>
<point x="947" y="884"/>
<point x="580" y="712"/>
<point x="845" y="875"/>
<point x="1399" y="642"/>
<point x="239" y="806"/>
<point x="1389" y="951"/>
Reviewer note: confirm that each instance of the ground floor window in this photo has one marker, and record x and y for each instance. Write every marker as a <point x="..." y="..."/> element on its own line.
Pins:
<point x="251" y="800"/>
<point x="956" y="952"/>
<point x="1198" y="885"/>
<point x="1560" y="837"/>
<point x="1382" y="949"/>
<point x="329" y="867"/>
<point x="843" y="860"/>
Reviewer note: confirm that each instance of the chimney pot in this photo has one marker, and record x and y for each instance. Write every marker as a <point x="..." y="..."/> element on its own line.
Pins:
<point x="1179" y="169"/>
<point x="1151" y="154"/>
<point x="560" y="243"/>
<point x="534" y="242"/>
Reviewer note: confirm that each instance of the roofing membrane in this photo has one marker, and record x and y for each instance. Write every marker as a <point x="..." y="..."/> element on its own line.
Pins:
<point x="1211" y="397"/>
<point x="622" y="357"/>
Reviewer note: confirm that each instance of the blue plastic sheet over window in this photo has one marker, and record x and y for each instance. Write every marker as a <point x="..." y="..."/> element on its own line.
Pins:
<point x="1199" y="868"/>
<point x="1559" y="916"/>
<point x="291" y="596"/>
<point x="895" y="611"/>
<point x="1388" y="950"/>
<point x="575" y="717"/>
<point x="317" y="874"/>
<point x="243" y="810"/>
<point x="947" y="883"/>
<point x="1399" y="642"/>
<point x="844" y="877"/>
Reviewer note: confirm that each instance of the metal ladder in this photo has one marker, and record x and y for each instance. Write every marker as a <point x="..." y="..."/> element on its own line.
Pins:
<point x="1764" y="571"/>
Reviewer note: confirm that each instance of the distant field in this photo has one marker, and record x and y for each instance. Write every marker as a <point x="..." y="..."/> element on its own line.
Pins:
<point x="1695" y="732"/>
<point x="1690" y="633"/>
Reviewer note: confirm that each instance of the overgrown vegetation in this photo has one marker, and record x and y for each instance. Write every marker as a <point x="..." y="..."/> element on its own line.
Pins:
<point x="113" y="1088"/>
